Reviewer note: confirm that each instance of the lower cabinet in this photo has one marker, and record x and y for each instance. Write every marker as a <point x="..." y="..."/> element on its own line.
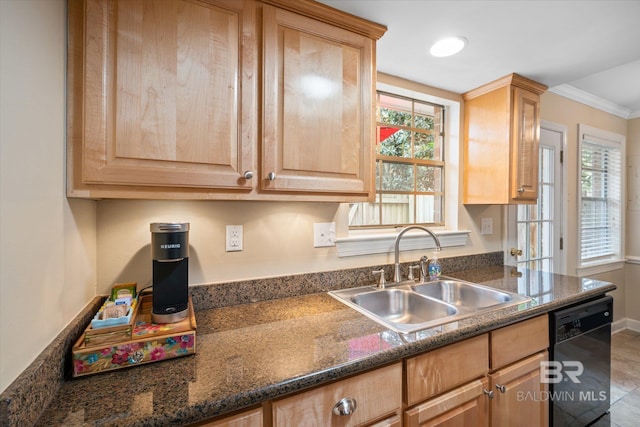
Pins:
<point x="490" y="380"/>
<point x="519" y="395"/>
<point x="370" y="399"/>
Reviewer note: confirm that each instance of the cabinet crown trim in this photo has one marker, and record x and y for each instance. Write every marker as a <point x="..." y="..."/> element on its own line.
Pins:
<point x="329" y="15"/>
<point x="512" y="79"/>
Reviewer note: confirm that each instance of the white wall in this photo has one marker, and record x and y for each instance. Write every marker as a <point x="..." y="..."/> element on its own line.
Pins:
<point x="633" y="223"/>
<point x="48" y="245"/>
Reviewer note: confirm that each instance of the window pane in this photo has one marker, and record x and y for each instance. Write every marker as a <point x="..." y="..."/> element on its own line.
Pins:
<point x="364" y="213"/>
<point x="523" y="237"/>
<point x="523" y="212"/>
<point x="397" y="144"/>
<point x="546" y="174"/>
<point x="428" y="209"/>
<point x="424" y="115"/>
<point x="533" y="212"/>
<point x="546" y="198"/>
<point x="533" y="240"/>
<point x="429" y="178"/>
<point x="397" y="209"/>
<point x="424" y="143"/>
<point x="546" y="245"/>
<point x="545" y="264"/>
<point x="397" y="177"/>
<point x="394" y="110"/>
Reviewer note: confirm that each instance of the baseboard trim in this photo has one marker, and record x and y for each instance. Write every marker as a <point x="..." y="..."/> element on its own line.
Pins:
<point x="623" y="324"/>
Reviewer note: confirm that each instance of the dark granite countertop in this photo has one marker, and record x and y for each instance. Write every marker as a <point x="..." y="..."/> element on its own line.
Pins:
<point x="253" y="352"/>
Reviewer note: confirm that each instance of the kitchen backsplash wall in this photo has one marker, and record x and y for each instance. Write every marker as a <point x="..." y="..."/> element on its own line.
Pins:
<point x="278" y="240"/>
<point x="250" y="291"/>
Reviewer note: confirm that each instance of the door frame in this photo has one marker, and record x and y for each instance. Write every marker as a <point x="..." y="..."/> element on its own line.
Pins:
<point x="510" y="211"/>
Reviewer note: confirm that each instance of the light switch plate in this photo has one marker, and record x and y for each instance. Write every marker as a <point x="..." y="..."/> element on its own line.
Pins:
<point x="234" y="238"/>
<point x="487" y="226"/>
<point x="324" y="234"/>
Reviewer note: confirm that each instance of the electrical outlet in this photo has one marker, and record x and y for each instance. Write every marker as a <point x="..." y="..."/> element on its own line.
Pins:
<point x="324" y="234"/>
<point x="487" y="226"/>
<point x="234" y="238"/>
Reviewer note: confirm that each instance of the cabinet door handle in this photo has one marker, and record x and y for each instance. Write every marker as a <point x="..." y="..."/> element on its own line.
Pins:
<point x="521" y="190"/>
<point x="502" y="388"/>
<point x="247" y="174"/>
<point x="345" y="406"/>
<point x="271" y="176"/>
<point x="489" y="393"/>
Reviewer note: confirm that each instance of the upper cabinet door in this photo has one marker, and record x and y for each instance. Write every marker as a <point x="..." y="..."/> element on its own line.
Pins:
<point x="168" y="93"/>
<point x="526" y="138"/>
<point x="318" y="107"/>
<point x="501" y="139"/>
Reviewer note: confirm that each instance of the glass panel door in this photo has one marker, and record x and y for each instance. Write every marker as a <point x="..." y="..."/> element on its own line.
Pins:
<point x="535" y="231"/>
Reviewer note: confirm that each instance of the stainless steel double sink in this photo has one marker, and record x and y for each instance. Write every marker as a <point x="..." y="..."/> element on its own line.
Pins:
<point x="408" y="307"/>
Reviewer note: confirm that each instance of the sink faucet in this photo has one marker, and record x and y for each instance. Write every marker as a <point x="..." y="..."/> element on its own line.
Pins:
<point x="396" y="272"/>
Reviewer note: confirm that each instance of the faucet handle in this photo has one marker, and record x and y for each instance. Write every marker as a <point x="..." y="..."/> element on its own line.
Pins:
<point x="424" y="260"/>
<point x="382" y="282"/>
<point x="411" y="268"/>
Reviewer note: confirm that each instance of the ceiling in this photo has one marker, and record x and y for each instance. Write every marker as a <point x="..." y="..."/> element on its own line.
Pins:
<point x="585" y="50"/>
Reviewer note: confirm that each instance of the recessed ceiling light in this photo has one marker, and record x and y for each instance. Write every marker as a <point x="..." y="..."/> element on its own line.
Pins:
<point x="448" y="46"/>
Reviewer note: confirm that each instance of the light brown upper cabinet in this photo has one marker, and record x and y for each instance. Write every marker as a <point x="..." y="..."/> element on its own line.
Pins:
<point x="318" y="106"/>
<point x="164" y="100"/>
<point x="501" y="139"/>
<point x="162" y="97"/>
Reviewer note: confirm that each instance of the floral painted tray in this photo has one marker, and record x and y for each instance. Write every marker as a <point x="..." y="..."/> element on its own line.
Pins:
<point x="149" y="342"/>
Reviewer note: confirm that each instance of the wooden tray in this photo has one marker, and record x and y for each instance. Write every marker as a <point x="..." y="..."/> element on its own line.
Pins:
<point x="148" y="342"/>
<point x="112" y="334"/>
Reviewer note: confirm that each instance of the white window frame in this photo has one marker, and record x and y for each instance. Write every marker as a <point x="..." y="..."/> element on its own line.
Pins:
<point x="381" y="240"/>
<point x="591" y="135"/>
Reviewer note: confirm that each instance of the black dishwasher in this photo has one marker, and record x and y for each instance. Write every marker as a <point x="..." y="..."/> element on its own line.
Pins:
<point x="579" y="369"/>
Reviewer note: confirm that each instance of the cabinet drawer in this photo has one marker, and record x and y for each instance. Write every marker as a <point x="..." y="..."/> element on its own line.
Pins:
<point x="512" y="343"/>
<point x="440" y="370"/>
<point x="377" y="393"/>
<point x="464" y="406"/>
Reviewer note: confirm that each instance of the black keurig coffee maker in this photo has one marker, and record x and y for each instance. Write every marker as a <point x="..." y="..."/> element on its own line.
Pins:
<point x="170" y="253"/>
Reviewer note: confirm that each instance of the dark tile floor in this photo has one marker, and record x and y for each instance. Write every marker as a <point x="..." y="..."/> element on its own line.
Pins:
<point x="625" y="381"/>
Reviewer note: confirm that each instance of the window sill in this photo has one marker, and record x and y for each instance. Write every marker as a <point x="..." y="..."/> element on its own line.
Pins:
<point x="367" y="243"/>
<point x="603" y="267"/>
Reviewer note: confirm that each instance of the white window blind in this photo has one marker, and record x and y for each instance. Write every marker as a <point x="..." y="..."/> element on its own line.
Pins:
<point x="601" y="186"/>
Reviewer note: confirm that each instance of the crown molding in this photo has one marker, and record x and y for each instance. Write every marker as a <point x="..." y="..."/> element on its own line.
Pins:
<point x="586" y="98"/>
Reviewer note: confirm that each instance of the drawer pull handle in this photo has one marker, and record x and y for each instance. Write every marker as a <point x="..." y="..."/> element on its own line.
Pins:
<point x="346" y="406"/>
<point x="488" y="393"/>
<point x="502" y="388"/>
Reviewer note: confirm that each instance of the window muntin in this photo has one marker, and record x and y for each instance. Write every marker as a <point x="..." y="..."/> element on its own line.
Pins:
<point x="409" y="165"/>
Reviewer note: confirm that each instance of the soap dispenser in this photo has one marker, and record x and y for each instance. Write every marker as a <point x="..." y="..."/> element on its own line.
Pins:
<point x="434" y="267"/>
